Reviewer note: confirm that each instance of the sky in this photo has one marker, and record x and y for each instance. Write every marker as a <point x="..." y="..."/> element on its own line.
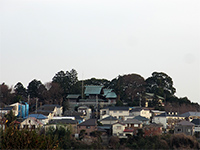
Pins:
<point x="101" y="39"/>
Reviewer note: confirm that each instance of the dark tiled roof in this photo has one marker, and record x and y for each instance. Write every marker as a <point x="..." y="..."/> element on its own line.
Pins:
<point x="196" y="121"/>
<point x="72" y="113"/>
<point x="109" y="118"/>
<point x="161" y="115"/>
<point x="7" y="108"/>
<point x="187" y="114"/>
<point x="101" y="129"/>
<point x="185" y="123"/>
<point x="152" y="125"/>
<point x="118" y="108"/>
<point x="132" y="121"/>
<point x="62" y="121"/>
<point x="140" y="118"/>
<point x="135" y="109"/>
<point x="89" y="122"/>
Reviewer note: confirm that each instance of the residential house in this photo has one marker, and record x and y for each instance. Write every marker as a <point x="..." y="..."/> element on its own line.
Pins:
<point x="197" y="125"/>
<point x="125" y="128"/>
<point x="108" y="120"/>
<point x="139" y="111"/>
<point x="168" y="119"/>
<point x="4" y="111"/>
<point x="31" y="123"/>
<point x="107" y="123"/>
<point x="172" y="119"/>
<point x="20" y="109"/>
<point x="63" y="122"/>
<point x="86" y="111"/>
<point x="160" y="119"/>
<point x="42" y="118"/>
<point x="110" y="96"/>
<point x="118" y="130"/>
<point x="93" y="91"/>
<point x="184" y="127"/>
<point x="144" y="120"/>
<point x="151" y="96"/>
<point x="156" y="112"/>
<point x="50" y="110"/>
<point x="117" y="112"/>
<point x="88" y="126"/>
<point x="78" y="115"/>
<point x="95" y="95"/>
<point x="152" y="129"/>
<point x="132" y="124"/>
<point x="191" y="115"/>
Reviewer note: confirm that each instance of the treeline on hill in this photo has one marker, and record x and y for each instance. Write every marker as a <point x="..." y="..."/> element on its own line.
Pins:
<point x="60" y="138"/>
<point x="130" y="89"/>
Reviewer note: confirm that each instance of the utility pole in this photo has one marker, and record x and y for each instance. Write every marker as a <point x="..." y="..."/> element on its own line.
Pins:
<point x="82" y="90"/>
<point x="96" y="106"/>
<point x="36" y="104"/>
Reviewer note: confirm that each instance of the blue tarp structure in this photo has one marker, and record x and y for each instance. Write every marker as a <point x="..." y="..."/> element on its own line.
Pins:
<point x="23" y="110"/>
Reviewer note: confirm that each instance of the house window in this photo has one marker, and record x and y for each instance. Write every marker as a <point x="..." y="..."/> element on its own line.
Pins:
<point x="120" y="111"/>
<point x="118" y="127"/>
<point x="114" y="111"/>
<point x="135" y="125"/>
<point x="88" y="127"/>
<point x="29" y="121"/>
<point x="104" y="112"/>
<point x="189" y="130"/>
<point x="25" y="126"/>
<point x="33" y="126"/>
<point x="120" y="134"/>
<point x="179" y="130"/>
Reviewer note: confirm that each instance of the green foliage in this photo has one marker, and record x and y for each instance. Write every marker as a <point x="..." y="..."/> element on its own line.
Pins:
<point x="94" y="81"/>
<point x="60" y="134"/>
<point x="13" y="138"/>
<point x="160" y="84"/>
<point x="33" y="88"/>
<point x="20" y="90"/>
<point x="119" y="103"/>
<point x="67" y="81"/>
<point x="128" y="86"/>
<point x="10" y="117"/>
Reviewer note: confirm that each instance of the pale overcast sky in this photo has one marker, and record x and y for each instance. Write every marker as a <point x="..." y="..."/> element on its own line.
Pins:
<point x="101" y="39"/>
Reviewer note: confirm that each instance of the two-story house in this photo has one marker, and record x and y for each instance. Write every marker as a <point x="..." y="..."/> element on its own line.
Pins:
<point x="197" y="125"/>
<point x="191" y="115"/>
<point x="65" y="123"/>
<point x="125" y="128"/>
<point x="152" y="129"/>
<point x="88" y="126"/>
<point x="139" y="111"/>
<point x="30" y="123"/>
<point x="50" y="110"/>
<point x="117" y="112"/>
<point x="42" y="118"/>
<point x="185" y="127"/>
